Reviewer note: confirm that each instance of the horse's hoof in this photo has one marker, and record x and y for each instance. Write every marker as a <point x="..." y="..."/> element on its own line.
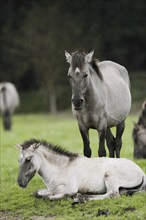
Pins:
<point x="102" y="153"/>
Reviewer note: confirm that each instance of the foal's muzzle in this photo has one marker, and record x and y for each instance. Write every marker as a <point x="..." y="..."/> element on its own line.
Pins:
<point x="22" y="183"/>
<point x="78" y="104"/>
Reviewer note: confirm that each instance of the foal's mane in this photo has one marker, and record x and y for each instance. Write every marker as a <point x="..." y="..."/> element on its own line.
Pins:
<point x="54" y="148"/>
<point x="78" y="60"/>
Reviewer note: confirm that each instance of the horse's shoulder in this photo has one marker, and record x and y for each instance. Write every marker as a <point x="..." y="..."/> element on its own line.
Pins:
<point x="111" y="69"/>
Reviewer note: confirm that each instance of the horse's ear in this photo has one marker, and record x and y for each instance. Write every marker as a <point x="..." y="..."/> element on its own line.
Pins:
<point x="144" y="105"/>
<point x="136" y="126"/>
<point x="89" y="56"/>
<point x="68" y="57"/>
<point x="19" y="146"/>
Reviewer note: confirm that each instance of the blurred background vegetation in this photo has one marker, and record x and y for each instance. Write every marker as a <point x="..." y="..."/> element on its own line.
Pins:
<point x="35" y="33"/>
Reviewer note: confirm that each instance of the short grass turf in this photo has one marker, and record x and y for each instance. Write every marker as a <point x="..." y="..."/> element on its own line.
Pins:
<point x="17" y="203"/>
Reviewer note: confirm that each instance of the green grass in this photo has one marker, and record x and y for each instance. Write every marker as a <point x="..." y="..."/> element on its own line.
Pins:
<point x="17" y="203"/>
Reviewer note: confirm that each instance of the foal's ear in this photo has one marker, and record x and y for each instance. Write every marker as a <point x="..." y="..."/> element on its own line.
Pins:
<point x="68" y="57"/>
<point x="89" y="56"/>
<point x="19" y="146"/>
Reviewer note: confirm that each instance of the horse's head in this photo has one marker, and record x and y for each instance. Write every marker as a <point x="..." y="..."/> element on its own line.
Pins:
<point x="28" y="164"/>
<point x="78" y="74"/>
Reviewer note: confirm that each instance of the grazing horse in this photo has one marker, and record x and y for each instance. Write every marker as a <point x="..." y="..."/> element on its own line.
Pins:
<point x="67" y="174"/>
<point x="101" y="99"/>
<point x="9" y="101"/>
<point x="139" y="134"/>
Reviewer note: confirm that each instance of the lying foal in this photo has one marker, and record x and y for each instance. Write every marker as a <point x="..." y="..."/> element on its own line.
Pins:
<point x="66" y="173"/>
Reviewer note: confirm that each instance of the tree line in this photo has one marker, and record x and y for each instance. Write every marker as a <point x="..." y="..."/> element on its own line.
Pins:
<point x="34" y="35"/>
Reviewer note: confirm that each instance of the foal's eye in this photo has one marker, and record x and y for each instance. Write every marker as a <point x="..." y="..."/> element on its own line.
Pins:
<point x="28" y="158"/>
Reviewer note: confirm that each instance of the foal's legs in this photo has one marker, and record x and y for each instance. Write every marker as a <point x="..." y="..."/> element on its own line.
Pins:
<point x="86" y="197"/>
<point x="110" y="140"/>
<point x="85" y="136"/>
<point x="112" y="190"/>
<point x="118" y="140"/>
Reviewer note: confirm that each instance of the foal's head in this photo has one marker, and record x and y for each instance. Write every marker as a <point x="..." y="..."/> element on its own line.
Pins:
<point x="81" y="65"/>
<point x="28" y="164"/>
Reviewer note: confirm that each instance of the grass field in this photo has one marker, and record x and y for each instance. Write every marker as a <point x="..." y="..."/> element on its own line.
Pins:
<point x="19" y="204"/>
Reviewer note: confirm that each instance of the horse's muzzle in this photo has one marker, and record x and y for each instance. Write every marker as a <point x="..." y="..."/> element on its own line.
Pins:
<point x="78" y="104"/>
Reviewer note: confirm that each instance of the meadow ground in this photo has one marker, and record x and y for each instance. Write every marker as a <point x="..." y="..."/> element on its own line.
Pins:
<point x="20" y="204"/>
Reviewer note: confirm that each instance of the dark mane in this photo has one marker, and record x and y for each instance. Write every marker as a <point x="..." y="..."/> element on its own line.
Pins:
<point x="96" y="68"/>
<point x="78" y="59"/>
<point x="55" y="148"/>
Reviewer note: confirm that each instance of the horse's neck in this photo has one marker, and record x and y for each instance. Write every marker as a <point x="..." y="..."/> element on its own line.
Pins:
<point x="95" y="88"/>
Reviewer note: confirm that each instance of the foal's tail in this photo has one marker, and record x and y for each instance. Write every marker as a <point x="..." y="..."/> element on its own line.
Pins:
<point x="131" y="190"/>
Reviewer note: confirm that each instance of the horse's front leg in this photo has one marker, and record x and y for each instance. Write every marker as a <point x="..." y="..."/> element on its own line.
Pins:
<point x="110" y="140"/>
<point x="118" y="140"/>
<point x="101" y="150"/>
<point x="85" y="136"/>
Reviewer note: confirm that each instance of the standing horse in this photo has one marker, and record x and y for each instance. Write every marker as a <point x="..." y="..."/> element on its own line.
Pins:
<point x="139" y="134"/>
<point x="66" y="173"/>
<point x="9" y="100"/>
<point x="101" y="99"/>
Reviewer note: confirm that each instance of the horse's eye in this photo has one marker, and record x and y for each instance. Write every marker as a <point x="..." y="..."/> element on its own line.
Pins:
<point x="85" y="75"/>
<point x="69" y="76"/>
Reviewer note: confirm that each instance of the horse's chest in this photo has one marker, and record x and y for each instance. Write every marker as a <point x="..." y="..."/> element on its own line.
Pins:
<point x="90" y="120"/>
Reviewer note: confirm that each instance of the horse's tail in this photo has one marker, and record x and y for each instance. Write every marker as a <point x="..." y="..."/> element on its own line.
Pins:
<point x="6" y="113"/>
<point x="130" y="190"/>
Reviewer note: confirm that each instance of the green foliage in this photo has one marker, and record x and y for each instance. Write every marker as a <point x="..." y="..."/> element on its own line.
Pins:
<point x="34" y="35"/>
<point x="62" y="129"/>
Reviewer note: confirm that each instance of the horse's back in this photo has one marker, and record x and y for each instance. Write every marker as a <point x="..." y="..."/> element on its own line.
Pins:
<point x="116" y="85"/>
<point x="109" y="68"/>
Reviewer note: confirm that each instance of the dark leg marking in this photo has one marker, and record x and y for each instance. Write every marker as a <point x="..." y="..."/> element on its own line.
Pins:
<point x="86" y="142"/>
<point x="101" y="151"/>
<point x="110" y="140"/>
<point x="118" y="140"/>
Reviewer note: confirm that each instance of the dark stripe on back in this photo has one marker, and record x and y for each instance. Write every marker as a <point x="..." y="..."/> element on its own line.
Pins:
<point x="96" y="68"/>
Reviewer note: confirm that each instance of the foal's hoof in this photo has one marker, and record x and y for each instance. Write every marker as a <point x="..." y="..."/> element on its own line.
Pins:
<point x="75" y="201"/>
<point x="37" y="195"/>
<point x="79" y="199"/>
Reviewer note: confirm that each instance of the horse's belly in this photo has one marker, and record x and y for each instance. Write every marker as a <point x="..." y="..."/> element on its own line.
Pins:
<point x="119" y="108"/>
